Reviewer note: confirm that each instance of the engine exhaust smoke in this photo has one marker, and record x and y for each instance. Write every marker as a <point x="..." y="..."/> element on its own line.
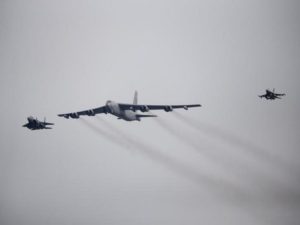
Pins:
<point x="218" y="185"/>
<point x="259" y="153"/>
<point x="217" y="159"/>
<point x="114" y="139"/>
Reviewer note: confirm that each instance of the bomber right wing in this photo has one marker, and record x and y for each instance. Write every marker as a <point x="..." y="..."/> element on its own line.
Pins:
<point x="145" y="108"/>
<point x="89" y="112"/>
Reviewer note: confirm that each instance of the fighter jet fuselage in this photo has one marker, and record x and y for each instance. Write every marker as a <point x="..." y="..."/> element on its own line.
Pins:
<point x="35" y="124"/>
<point x="271" y="95"/>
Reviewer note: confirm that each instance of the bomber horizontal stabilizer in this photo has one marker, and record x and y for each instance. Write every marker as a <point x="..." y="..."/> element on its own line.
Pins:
<point x="141" y="115"/>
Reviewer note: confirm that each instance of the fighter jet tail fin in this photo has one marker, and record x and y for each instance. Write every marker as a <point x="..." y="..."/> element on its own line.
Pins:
<point x="135" y="98"/>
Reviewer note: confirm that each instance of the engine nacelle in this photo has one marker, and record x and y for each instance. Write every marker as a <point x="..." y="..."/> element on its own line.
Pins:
<point x="144" y="108"/>
<point x="90" y="112"/>
<point x="66" y="116"/>
<point x="74" y="115"/>
<point x="168" y="108"/>
<point x="105" y="109"/>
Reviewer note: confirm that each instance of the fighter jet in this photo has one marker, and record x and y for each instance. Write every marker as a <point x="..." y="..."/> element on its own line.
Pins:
<point x="35" y="124"/>
<point x="126" y="111"/>
<point x="271" y="95"/>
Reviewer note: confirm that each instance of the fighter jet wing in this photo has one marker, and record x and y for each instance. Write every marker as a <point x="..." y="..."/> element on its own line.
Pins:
<point x="145" y="108"/>
<point x="280" y="94"/>
<point x="45" y="123"/>
<point x="89" y="112"/>
<point x="262" y="96"/>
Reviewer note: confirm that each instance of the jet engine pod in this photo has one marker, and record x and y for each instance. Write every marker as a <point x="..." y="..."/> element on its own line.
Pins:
<point x="105" y="110"/>
<point x="168" y="108"/>
<point x="90" y="112"/>
<point x="74" y="115"/>
<point x="66" y="116"/>
<point x="144" y="108"/>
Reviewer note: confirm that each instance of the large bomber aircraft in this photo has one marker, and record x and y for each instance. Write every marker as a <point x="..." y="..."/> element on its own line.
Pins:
<point x="125" y="111"/>
<point x="35" y="124"/>
<point x="271" y="95"/>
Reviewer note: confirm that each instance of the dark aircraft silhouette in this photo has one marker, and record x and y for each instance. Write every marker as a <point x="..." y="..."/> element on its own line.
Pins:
<point x="35" y="124"/>
<point x="271" y="95"/>
<point x="126" y="111"/>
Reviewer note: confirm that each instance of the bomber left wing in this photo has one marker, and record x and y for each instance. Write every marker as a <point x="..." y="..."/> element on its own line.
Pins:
<point x="89" y="112"/>
<point x="146" y="108"/>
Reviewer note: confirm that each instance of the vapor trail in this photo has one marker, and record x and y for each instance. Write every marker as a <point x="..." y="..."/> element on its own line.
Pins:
<point x="218" y="160"/>
<point x="114" y="139"/>
<point x="218" y="185"/>
<point x="256" y="151"/>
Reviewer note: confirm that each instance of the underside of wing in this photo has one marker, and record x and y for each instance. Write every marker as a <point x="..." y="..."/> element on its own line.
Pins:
<point x="89" y="112"/>
<point x="146" y="108"/>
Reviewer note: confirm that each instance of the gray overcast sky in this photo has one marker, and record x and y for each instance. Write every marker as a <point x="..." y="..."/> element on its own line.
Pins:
<point x="235" y="159"/>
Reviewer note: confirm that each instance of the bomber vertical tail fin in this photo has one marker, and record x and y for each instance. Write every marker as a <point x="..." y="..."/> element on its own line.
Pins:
<point x="135" y="98"/>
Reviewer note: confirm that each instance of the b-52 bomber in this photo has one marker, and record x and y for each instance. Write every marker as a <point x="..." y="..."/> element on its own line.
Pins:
<point x="125" y="111"/>
<point x="35" y="124"/>
<point x="271" y="95"/>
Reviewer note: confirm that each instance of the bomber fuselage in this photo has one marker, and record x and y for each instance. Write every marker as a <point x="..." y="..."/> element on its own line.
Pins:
<point x="115" y="109"/>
